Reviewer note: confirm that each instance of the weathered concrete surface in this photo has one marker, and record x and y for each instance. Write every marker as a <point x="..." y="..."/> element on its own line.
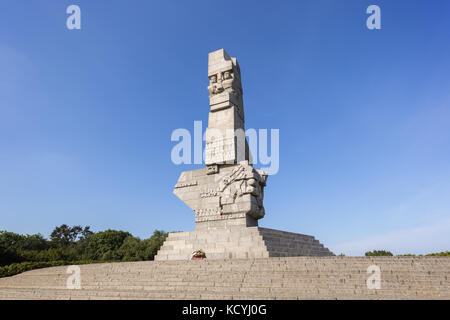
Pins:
<point x="267" y="278"/>
<point x="240" y="242"/>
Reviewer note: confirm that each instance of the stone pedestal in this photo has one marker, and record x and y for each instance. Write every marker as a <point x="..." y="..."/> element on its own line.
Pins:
<point x="240" y="242"/>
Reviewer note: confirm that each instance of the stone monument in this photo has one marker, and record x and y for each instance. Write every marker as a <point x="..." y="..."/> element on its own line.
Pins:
<point x="227" y="195"/>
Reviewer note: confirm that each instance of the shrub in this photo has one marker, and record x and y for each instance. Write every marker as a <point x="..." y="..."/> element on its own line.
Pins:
<point x="20" y="253"/>
<point x="11" y="245"/>
<point x="377" y="253"/>
<point x="64" y="236"/>
<point x="440" y="254"/>
<point x="135" y="249"/>
<point x="16" y="241"/>
<point x="16" y="268"/>
<point x="154" y="243"/>
<point x="104" y="245"/>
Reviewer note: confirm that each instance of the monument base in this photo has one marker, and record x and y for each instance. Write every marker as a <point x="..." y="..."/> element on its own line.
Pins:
<point x="240" y="242"/>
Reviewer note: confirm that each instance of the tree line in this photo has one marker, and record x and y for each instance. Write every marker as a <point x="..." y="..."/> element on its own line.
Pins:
<point x="384" y="253"/>
<point x="74" y="245"/>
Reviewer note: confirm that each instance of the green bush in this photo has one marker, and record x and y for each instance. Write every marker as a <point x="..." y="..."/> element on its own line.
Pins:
<point x="16" y="268"/>
<point x="11" y="244"/>
<point x="440" y="254"/>
<point x="19" y="253"/>
<point x="135" y="249"/>
<point x="64" y="236"/>
<point x="378" y="253"/>
<point x="8" y="256"/>
<point x="155" y="242"/>
<point x="15" y="241"/>
<point x="104" y="245"/>
<point x="51" y="254"/>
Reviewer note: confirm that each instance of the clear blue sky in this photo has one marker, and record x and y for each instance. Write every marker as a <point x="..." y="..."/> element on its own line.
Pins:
<point x="86" y="115"/>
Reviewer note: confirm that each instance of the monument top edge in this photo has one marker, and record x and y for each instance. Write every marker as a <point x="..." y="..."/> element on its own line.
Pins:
<point x="220" y="56"/>
<point x="220" y="61"/>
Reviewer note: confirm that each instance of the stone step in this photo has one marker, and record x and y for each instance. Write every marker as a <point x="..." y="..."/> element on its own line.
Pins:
<point x="275" y="238"/>
<point x="280" y="281"/>
<point x="230" y="243"/>
<point x="274" y="278"/>
<point x="261" y="269"/>
<point x="252" y="293"/>
<point x="297" y="281"/>
<point x="216" y="246"/>
<point x="241" y="281"/>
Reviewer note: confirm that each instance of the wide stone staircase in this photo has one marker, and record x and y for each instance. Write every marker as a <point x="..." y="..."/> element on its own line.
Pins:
<point x="240" y="243"/>
<point x="265" y="278"/>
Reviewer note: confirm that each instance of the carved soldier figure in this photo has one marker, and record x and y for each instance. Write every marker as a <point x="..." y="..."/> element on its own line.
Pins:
<point x="238" y="186"/>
